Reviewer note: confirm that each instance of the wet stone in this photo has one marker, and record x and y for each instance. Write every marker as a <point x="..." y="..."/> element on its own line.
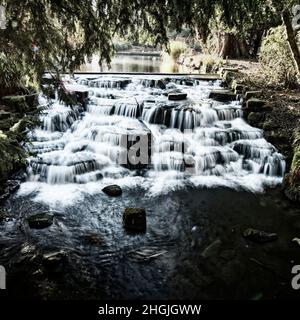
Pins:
<point x="53" y="259"/>
<point x="259" y="236"/>
<point x="40" y="221"/>
<point x="92" y="239"/>
<point x="177" y="96"/>
<point x="113" y="190"/>
<point x="134" y="219"/>
<point x="222" y="95"/>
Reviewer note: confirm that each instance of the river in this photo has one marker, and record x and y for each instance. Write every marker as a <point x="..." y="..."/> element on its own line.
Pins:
<point x="134" y="63"/>
<point x="198" y="203"/>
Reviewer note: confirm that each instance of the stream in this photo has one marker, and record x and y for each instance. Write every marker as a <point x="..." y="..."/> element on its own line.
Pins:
<point x="207" y="177"/>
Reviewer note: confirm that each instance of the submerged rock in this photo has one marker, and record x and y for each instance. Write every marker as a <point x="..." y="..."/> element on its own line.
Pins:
<point x="134" y="219"/>
<point x="259" y="236"/>
<point x="40" y="221"/>
<point x="113" y="190"/>
<point x="52" y="260"/>
<point x="92" y="239"/>
<point x="212" y="250"/>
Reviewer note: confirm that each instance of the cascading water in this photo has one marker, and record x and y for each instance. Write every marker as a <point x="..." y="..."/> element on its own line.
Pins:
<point x="195" y="141"/>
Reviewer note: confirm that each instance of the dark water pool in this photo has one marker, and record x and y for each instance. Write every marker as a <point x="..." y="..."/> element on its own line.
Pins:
<point x="100" y="260"/>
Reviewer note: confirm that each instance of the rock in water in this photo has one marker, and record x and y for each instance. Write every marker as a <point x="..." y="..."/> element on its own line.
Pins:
<point x="222" y="95"/>
<point x="134" y="219"/>
<point x="259" y="236"/>
<point x="113" y="190"/>
<point x="40" y="221"/>
<point x="177" y="96"/>
<point x="54" y="259"/>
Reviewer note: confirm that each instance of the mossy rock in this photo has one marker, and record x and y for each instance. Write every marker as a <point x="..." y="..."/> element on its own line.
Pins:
<point x="134" y="219"/>
<point x="296" y="160"/>
<point x="291" y="187"/>
<point x="270" y="125"/>
<point x="222" y="95"/>
<point x="253" y="94"/>
<point x="256" y="119"/>
<point x="229" y="76"/>
<point x="257" y="105"/>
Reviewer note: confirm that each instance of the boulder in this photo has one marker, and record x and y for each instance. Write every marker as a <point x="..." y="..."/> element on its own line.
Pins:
<point x="255" y="105"/>
<point x="256" y="118"/>
<point x="134" y="219"/>
<point x="40" y="221"/>
<point x="222" y="95"/>
<point x="239" y="89"/>
<point x="177" y="96"/>
<point x="259" y="236"/>
<point x="113" y="190"/>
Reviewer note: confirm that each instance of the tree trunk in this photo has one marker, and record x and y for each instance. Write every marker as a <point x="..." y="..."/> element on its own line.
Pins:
<point x="233" y="47"/>
<point x="291" y="38"/>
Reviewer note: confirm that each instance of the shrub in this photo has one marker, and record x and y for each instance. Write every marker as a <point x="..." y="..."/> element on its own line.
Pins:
<point x="276" y="59"/>
<point x="177" y="48"/>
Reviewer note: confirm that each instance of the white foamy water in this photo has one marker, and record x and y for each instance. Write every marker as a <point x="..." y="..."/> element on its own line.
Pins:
<point x="196" y="142"/>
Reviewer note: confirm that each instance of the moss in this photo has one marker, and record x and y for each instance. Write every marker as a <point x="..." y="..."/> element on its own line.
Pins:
<point x="16" y="103"/>
<point x="296" y="160"/>
<point x="292" y="180"/>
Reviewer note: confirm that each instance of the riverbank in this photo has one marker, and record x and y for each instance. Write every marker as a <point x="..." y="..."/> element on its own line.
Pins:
<point x="18" y="114"/>
<point x="275" y="109"/>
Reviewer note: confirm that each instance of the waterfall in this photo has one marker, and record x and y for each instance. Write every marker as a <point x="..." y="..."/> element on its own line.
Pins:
<point x="193" y="137"/>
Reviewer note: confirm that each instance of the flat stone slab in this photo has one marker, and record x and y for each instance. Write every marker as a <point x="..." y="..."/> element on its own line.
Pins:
<point x="222" y="95"/>
<point x="177" y="96"/>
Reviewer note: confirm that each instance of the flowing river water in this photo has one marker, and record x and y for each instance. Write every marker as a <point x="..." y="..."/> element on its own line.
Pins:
<point x="197" y="201"/>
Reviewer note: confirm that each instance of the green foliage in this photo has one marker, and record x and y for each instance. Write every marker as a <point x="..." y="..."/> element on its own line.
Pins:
<point x="12" y="156"/>
<point x="177" y="48"/>
<point x="276" y="59"/>
<point x="10" y="75"/>
<point x="122" y="46"/>
<point x="60" y="35"/>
